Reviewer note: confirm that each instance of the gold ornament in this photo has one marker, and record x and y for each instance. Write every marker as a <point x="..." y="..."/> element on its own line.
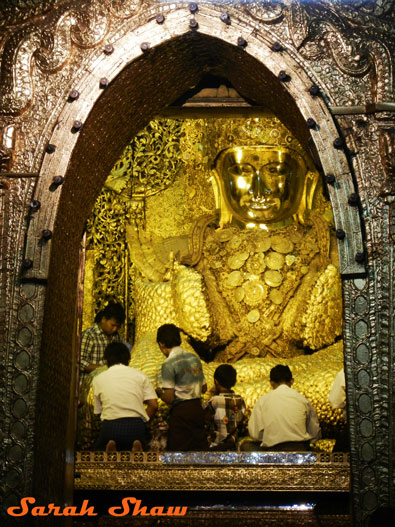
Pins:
<point x="282" y="245"/>
<point x="275" y="261"/>
<point x="276" y="296"/>
<point x="237" y="260"/>
<point x="234" y="279"/>
<point x="263" y="244"/>
<point x="273" y="278"/>
<point x="239" y="294"/>
<point x="253" y="316"/>
<point x="255" y="292"/>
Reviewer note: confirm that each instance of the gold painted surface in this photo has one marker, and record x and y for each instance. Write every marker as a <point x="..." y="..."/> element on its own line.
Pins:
<point x="277" y="284"/>
<point x="148" y="165"/>
<point x="152" y="176"/>
<point x="179" y="301"/>
<point x="108" y="265"/>
<point x="150" y="161"/>
<point x="255" y="274"/>
<point x="262" y="184"/>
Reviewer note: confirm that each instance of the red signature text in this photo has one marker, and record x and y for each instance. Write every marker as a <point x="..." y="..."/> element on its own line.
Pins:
<point x="137" y="510"/>
<point x="51" y="509"/>
<point x="129" y="506"/>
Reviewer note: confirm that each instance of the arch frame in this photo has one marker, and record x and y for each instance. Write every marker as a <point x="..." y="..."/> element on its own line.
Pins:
<point x="333" y="160"/>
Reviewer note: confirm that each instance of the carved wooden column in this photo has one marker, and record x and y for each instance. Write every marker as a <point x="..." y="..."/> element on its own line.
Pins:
<point x="21" y="312"/>
<point x="369" y="321"/>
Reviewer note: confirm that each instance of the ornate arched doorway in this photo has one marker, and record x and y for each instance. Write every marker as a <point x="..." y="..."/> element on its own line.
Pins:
<point x="122" y="84"/>
<point x="110" y="112"/>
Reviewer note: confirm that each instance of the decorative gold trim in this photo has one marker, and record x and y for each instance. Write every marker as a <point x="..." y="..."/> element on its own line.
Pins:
<point x="272" y="472"/>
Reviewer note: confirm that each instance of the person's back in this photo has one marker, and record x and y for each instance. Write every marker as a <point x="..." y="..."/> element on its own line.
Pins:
<point x="225" y="409"/>
<point x="122" y="391"/>
<point x="283" y="418"/>
<point x="183" y="383"/>
<point x="283" y="415"/>
<point x="337" y="393"/>
<point x="337" y="399"/>
<point x="120" y="394"/>
<point x="185" y="370"/>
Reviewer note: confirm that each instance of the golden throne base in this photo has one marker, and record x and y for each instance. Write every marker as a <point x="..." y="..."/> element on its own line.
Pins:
<point x="274" y="472"/>
<point x="213" y="471"/>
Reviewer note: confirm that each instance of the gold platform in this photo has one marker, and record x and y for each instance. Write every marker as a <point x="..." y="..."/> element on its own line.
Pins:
<point x="213" y="471"/>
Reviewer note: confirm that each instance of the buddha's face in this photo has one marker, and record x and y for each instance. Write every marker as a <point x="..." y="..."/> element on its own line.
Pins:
<point x="260" y="185"/>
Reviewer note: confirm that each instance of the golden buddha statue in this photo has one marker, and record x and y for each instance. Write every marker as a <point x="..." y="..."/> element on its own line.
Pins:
<point x="260" y="185"/>
<point x="238" y="251"/>
<point x="266" y="285"/>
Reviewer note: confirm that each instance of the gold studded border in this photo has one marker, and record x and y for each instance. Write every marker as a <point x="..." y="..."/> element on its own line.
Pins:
<point x="146" y="471"/>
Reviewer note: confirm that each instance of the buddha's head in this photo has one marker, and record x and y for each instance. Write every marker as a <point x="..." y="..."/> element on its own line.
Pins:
<point x="263" y="184"/>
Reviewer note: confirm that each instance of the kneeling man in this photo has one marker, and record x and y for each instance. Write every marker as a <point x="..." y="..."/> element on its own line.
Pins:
<point x="283" y="419"/>
<point x="120" y="394"/>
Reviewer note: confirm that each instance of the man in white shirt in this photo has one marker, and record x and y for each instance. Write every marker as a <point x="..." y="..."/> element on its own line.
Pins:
<point x="337" y="399"/>
<point x="120" y="394"/>
<point x="283" y="419"/>
<point x="337" y="394"/>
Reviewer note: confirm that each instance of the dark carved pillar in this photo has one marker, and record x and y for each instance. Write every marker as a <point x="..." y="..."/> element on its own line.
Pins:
<point x="21" y="313"/>
<point x="369" y="320"/>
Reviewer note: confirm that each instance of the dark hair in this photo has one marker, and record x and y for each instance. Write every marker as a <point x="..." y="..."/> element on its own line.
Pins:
<point x="169" y="335"/>
<point x="99" y="316"/>
<point x="280" y="373"/>
<point x="115" y="353"/>
<point x="112" y="310"/>
<point x="226" y="375"/>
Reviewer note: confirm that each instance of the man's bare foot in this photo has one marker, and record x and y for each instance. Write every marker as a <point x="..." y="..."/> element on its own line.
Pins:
<point x="111" y="446"/>
<point x="137" y="446"/>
